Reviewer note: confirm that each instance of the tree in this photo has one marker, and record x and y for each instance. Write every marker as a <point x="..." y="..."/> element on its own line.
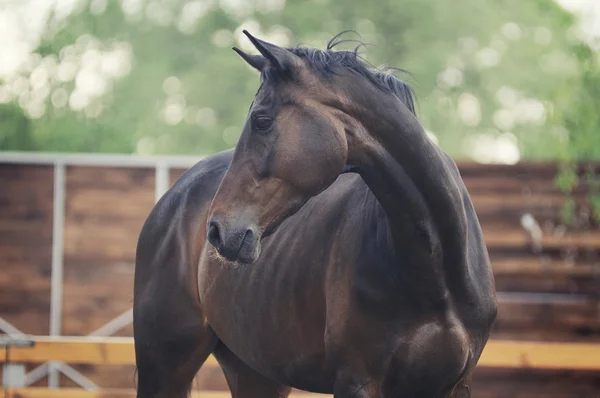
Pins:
<point x="496" y="81"/>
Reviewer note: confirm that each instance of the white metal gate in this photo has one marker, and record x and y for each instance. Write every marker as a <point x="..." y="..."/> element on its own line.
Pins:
<point x="60" y="162"/>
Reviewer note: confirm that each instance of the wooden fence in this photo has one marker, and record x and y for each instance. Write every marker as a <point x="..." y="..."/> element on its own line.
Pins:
<point x="547" y="274"/>
<point x="505" y="354"/>
<point x="119" y="351"/>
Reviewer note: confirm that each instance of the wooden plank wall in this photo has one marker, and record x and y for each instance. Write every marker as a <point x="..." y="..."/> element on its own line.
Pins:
<point x="105" y="210"/>
<point x="548" y="290"/>
<point x="26" y="246"/>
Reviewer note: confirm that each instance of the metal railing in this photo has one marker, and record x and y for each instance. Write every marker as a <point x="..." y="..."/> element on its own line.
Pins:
<point x="59" y="161"/>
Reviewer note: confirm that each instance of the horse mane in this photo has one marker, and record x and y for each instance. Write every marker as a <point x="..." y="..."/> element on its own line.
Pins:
<point x="328" y="61"/>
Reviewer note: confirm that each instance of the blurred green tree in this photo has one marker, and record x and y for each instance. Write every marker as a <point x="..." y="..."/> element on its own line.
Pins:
<point x="497" y="81"/>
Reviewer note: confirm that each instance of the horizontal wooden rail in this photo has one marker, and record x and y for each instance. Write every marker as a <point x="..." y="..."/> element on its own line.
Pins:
<point x="40" y="392"/>
<point x="497" y="354"/>
<point x="541" y="355"/>
<point x="79" y="350"/>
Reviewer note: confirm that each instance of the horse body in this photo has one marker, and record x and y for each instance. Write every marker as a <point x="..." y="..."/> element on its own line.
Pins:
<point x="374" y="284"/>
<point x="305" y="271"/>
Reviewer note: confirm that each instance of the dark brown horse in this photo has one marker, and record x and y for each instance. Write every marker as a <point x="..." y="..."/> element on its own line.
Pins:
<point x="345" y="256"/>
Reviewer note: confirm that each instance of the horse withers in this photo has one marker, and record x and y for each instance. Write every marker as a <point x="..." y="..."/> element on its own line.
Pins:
<point x="334" y="250"/>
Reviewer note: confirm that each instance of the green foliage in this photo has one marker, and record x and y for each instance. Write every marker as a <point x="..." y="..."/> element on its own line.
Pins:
<point x="567" y="211"/>
<point x="579" y="102"/>
<point x="460" y="65"/>
<point x="15" y="129"/>
<point x="593" y="182"/>
<point x="566" y="180"/>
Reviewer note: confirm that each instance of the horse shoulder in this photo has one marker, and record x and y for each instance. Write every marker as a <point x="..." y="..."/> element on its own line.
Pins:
<point x="170" y="235"/>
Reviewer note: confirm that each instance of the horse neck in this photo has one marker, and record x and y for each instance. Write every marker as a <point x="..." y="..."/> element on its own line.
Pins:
<point x="414" y="183"/>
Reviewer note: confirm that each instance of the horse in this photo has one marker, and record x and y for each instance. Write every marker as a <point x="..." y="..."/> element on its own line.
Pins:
<point x="335" y="249"/>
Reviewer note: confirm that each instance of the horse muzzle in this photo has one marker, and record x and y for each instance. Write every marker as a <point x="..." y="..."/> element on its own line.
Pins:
<point x="236" y="243"/>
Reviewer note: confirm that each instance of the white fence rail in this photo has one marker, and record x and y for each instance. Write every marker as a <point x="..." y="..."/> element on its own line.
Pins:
<point x="60" y="161"/>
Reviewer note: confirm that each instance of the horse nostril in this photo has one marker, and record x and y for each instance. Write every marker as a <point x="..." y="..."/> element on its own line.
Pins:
<point x="250" y="238"/>
<point x="214" y="235"/>
<point x="250" y="235"/>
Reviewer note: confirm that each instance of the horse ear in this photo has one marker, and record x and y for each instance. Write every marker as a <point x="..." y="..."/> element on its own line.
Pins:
<point x="255" y="61"/>
<point x="278" y="57"/>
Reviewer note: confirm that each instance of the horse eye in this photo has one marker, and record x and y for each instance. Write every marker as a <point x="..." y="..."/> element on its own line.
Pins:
<point x="263" y="123"/>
